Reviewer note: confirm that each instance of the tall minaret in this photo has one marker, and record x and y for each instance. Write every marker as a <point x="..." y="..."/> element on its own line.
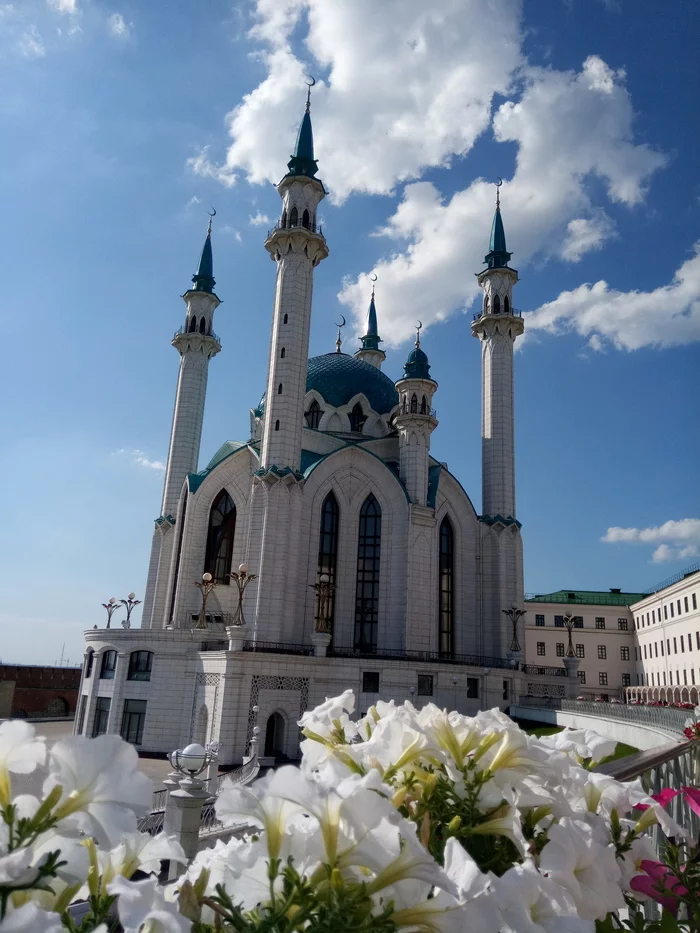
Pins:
<point x="297" y="246"/>
<point x="370" y="351"/>
<point x="497" y="327"/>
<point x="415" y="422"/>
<point x="196" y="343"/>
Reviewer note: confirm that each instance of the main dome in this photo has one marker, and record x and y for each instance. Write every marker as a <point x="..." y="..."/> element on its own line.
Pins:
<point x="338" y="377"/>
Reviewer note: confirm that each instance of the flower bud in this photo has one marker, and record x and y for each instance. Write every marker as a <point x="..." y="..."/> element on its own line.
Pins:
<point x="454" y="823"/>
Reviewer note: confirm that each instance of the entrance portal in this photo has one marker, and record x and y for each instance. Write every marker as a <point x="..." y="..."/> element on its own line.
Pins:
<point x="274" y="736"/>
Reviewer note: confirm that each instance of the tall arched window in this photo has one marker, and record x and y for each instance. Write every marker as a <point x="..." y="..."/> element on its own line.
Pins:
<point x="328" y="544"/>
<point x="357" y="419"/>
<point x="202" y="326"/>
<point x="293" y="217"/>
<point x="446" y="597"/>
<point x="305" y="219"/>
<point x="313" y="415"/>
<point x="279" y="389"/>
<point x="367" y="589"/>
<point x="414" y="403"/>
<point x="222" y="527"/>
<point x="285" y="319"/>
<point x="180" y="532"/>
<point x="486" y="304"/>
<point x="496" y="304"/>
<point x="283" y="222"/>
<point x="283" y="353"/>
<point x="193" y="324"/>
<point x="506" y="305"/>
<point x="423" y="406"/>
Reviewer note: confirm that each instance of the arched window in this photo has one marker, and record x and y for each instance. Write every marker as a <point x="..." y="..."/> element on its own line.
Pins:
<point x="414" y="403"/>
<point x="193" y="324"/>
<point x="222" y="527"/>
<point x="285" y="319"/>
<point x="89" y="662"/>
<point x="313" y="415"/>
<point x="283" y="222"/>
<point x="367" y="589"/>
<point x="180" y="533"/>
<point x="423" y="406"/>
<point x="305" y="219"/>
<point x="109" y="665"/>
<point x="283" y="353"/>
<point x="274" y="736"/>
<point x="202" y="325"/>
<point x="404" y="405"/>
<point x="357" y="419"/>
<point x="486" y="304"/>
<point x="496" y="304"/>
<point x="277" y="425"/>
<point x="328" y="544"/>
<point x="294" y="217"/>
<point x="446" y="600"/>
<point x="279" y="389"/>
<point x="140" y="665"/>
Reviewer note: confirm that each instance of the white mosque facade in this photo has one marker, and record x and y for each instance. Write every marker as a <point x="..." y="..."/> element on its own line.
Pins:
<point x="369" y="566"/>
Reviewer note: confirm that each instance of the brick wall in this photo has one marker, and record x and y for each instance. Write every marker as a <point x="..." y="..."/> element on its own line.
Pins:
<point x="38" y="691"/>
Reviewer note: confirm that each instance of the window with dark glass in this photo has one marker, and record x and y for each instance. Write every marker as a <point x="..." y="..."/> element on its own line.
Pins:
<point x="203" y="326"/>
<point x="425" y="685"/>
<point x="328" y="545"/>
<point x="603" y="679"/>
<point x="193" y="325"/>
<point x="88" y="663"/>
<point x="81" y="715"/>
<point x="506" y="305"/>
<point x="370" y="681"/>
<point x="414" y="403"/>
<point x="558" y="621"/>
<point x="446" y="582"/>
<point x="99" y="725"/>
<point x="140" y="664"/>
<point x="367" y="589"/>
<point x="578" y="621"/>
<point x="357" y="419"/>
<point x="580" y="651"/>
<point x="581" y="677"/>
<point x="133" y="719"/>
<point x="109" y="665"/>
<point x="539" y="620"/>
<point x="294" y="217"/>
<point x="472" y="688"/>
<point x="599" y="622"/>
<point x="602" y="652"/>
<point x="496" y="304"/>
<point x="560" y="649"/>
<point x="541" y="649"/>
<point x="313" y="415"/>
<point x="423" y="406"/>
<point x="626" y="680"/>
<point x="624" y="653"/>
<point x="222" y="527"/>
<point x="622" y="625"/>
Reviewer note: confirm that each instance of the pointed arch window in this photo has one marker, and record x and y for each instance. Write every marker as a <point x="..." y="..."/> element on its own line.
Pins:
<point x="423" y="406"/>
<point x="279" y="389"/>
<point x="193" y="324"/>
<point x="357" y="419"/>
<point x="305" y="219"/>
<point x="285" y="319"/>
<point x="313" y="415"/>
<point x="283" y="222"/>
<point x="506" y="305"/>
<point x="328" y="545"/>
<point x="202" y="326"/>
<point x="294" y="217"/>
<point x="283" y="353"/>
<point x="414" y="404"/>
<point x="367" y="587"/>
<point x="222" y="527"/>
<point x="496" y="304"/>
<point x="486" y="304"/>
<point x="446" y="584"/>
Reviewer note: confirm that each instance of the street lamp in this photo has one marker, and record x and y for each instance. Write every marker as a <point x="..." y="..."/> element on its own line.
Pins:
<point x="241" y="579"/>
<point x="569" y="622"/>
<point x="324" y="592"/>
<point x="205" y="587"/>
<point x="515" y="615"/>
<point x="193" y="759"/>
<point x="111" y="606"/>
<point x="129" y="604"/>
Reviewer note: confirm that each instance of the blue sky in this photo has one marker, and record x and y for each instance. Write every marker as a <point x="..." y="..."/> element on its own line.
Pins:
<point x="123" y="124"/>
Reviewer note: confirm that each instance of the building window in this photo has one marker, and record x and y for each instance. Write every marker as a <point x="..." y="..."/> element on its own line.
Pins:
<point x="222" y="527"/>
<point x="558" y="621"/>
<point x="668" y="646"/>
<point x="109" y="665"/>
<point x="626" y="680"/>
<point x="656" y="649"/>
<point x="414" y="404"/>
<point x="560" y="649"/>
<point x="140" y="665"/>
<point x="578" y="621"/>
<point x="653" y="616"/>
<point x="367" y="589"/>
<point x="697" y="642"/>
<point x="446" y="568"/>
<point x="283" y="353"/>
<point x="91" y="657"/>
<point x="624" y="653"/>
<point x="357" y="419"/>
<point x="600" y="622"/>
<point x="99" y="726"/>
<point x="277" y="425"/>
<point x="692" y="675"/>
<point x="581" y="677"/>
<point x="675" y="646"/>
<point x="664" y="676"/>
<point x="645" y="652"/>
<point x="279" y="389"/>
<point x="603" y="679"/>
<point x="472" y="688"/>
<point x="506" y="690"/>
<point x="602" y="653"/>
<point x="665" y="612"/>
<point x="370" y="681"/>
<point x="313" y="415"/>
<point x="622" y="625"/>
<point x="285" y="319"/>
<point x="694" y="601"/>
<point x="540" y="649"/>
<point x="682" y="645"/>
<point x="539" y="620"/>
<point x="671" y="608"/>
<point x="580" y="651"/>
<point x="423" y="406"/>
<point x="690" y="642"/>
<point x="685" y="676"/>
<point x="678" y="604"/>
<point x="661" y="643"/>
<point x="294" y="217"/>
<point x="496" y="304"/>
<point x="425" y="685"/>
<point x="81" y="715"/>
<point x="328" y="546"/>
<point x="133" y="718"/>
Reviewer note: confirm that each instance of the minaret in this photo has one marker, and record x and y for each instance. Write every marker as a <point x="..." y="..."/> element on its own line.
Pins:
<point x="196" y="343"/>
<point x="369" y="351"/>
<point x="497" y="327"/>
<point x="297" y="246"/>
<point x="415" y="422"/>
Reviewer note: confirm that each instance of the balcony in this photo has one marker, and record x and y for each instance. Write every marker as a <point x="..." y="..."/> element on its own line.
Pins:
<point x="183" y="330"/>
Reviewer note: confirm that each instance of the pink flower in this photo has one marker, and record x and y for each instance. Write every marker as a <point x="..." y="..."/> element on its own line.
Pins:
<point x="664" y="796"/>
<point x="660" y="885"/>
<point x="692" y="797"/>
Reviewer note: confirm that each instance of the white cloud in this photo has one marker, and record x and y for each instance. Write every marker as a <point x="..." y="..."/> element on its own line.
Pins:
<point x="64" y="6"/>
<point x="665" y="317"/>
<point x="231" y="231"/>
<point x="31" y="45"/>
<point x="139" y="458"/>
<point x="585" y="234"/>
<point x="675" y="540"/>
<point x="259" y="220"/>
<point x="202" y="166"/>
<point x="118" y="26"/>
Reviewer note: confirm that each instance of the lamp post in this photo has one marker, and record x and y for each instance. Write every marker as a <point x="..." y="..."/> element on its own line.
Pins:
<point x="183" y="807"/>
<point x="454" y="692"/>
<point x="129" y="604"/>
<point x="324" y="592"/>
<point x="571" y="662"/>
<point x="111" y="606"/>
<point x="569" y="622"/>
<point x="205" y="586"/>
<point x="241" y="579"/>
<point x="515" y="615"/>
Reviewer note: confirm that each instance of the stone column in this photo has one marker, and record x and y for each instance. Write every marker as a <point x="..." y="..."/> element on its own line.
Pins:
<point x="320" y="641"/>
<point x="115" y="708"/>
<point x="237" y="634"/>
<point x="93" y="684"/>
<point x="572" y="684"/>
<point x="183" y="817"/>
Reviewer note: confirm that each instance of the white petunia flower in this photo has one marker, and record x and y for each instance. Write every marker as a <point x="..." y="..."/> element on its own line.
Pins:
<point x="20" y="753"/>
<point x="531" y="903"/>
<point x="139" y="852"/>
<point x="32" y="919"/>
<point x="17" y="868"/>
<point x="144" y="909"/>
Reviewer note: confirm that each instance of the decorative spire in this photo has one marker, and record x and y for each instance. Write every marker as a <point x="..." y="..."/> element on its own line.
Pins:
<point x="417" y="365"/>
<point x="203" y="278"/>
<point x="419" y="327"/>
<point x="371" y="339"/>
<point x="302" y="161"/>
<point x="339" y="340"/>
<point x="498" y="255"/>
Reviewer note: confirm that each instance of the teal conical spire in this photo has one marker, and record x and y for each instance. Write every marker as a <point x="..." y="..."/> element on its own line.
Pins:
<point x="302" y="161"/>
<point x="203" y="278"/>
<point x="371" y="339"/>
<point x="498" y="255"/>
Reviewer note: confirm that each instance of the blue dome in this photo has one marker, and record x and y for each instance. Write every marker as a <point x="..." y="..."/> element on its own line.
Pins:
<point x="416" y="366"/>
<point x="338" y="377"/>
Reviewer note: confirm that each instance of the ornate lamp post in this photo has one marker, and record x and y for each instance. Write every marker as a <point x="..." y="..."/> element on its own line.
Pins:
<point x="515" y="615"/>
<point x="205" y="587"/>
<point x="569" y="622"/>
<point x="241" y="579"/>
<point x="129" y="604"/>
<point x="111" y="606"/>
<point x="324" y="592"/>
<point x="192" y="760"/>
<point x="571" y="662"/>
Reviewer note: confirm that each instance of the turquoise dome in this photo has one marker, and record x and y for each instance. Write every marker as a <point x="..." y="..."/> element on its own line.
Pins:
<point x="416" y="366"/>
<point x="337" y="377"/>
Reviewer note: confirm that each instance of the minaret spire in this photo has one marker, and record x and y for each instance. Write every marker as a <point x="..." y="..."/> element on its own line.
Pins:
<point x="203" y="279"/>
<point x="497" y="256"/>
<point x="302" y="161"/>
<point x="370" y="351"/>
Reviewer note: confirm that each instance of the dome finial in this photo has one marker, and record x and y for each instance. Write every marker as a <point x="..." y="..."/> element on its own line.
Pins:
<point x="203" y="279"/>
<point x="339" y="341"/>
<point x="303" y="161"/>
<point x="498" y="193"/>
<point x="374" y="281"/>
<point x="498" y="255"/>
<point x="308" y="93"/>
<point x="212" y="215"/>
<point x="419" y="327"/>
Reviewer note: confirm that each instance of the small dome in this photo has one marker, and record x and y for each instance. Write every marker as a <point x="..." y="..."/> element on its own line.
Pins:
<point x="417" y="366"/>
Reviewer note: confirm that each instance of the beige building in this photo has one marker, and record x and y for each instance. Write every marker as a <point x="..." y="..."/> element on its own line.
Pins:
<point x="667" y="641"/>
<point x="603" y="637"/>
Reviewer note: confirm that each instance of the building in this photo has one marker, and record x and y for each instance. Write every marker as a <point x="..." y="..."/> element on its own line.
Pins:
<point x="372" y="568"/>
<point x="667" y="641"/>
<point x="38" y="692"/>
<point x="603" y="636"/>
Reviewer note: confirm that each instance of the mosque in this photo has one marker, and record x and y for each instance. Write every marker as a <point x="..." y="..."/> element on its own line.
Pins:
<point x="330" y="549"/>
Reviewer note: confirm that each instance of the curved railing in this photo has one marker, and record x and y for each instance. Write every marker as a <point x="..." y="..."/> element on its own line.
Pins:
<point x="663" y="717"/>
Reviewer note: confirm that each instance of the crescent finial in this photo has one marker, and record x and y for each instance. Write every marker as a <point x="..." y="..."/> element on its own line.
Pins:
<point x="308" y="93"/>
<point x="419" y="325"/>
<point x="498" y="193"/>
<point x="339" y="342"/>
<point x="373" y="279"/>
<point x="212" y="214"/>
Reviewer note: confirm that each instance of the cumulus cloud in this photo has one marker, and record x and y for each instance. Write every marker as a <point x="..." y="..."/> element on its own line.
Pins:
<point x="667" y="316"/>
<point x="30" y="44"/>
<point x="64" y="6"/>
<point x="139" y="458"/>
<point x="202" y="166"/>
<point x="675" y="540"/>
<point x="585" y="234"/>
<point x="118" y="26"/>
<point x="259" y="220"/>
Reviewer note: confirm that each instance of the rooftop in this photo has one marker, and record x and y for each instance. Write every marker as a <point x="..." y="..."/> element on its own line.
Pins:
<point x="612" y="597"/>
